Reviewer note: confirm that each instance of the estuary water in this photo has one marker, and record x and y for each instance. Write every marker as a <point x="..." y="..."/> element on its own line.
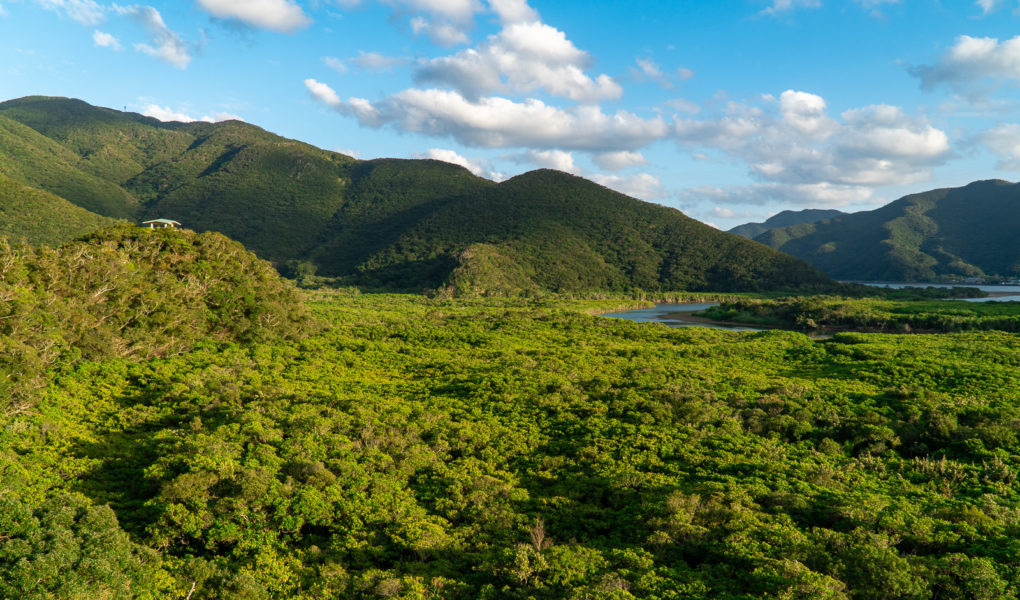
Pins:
<point x="676" y="315"/>
<point x="998" y="293"/>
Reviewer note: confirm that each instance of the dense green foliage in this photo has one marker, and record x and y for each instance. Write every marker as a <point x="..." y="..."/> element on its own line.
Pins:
<point x="871" y="314"/>
<point x="511" y="448"/>
<point x="40" y="218"/>
<point x="133" y="293"/>
<point x="942" y="234"/>
<point x="390" y="224"/>
<point x="786" y="218"/>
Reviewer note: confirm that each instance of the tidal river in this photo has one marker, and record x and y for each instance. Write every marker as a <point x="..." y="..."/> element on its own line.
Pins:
<point x="677" y="315"/>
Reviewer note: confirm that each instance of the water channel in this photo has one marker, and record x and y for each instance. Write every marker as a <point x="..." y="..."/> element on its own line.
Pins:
<point x="676" y="315"/>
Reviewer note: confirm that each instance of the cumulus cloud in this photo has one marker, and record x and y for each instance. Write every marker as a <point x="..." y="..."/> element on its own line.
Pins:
<point x="165" y="113"/>
<point x="802" y="155"/>
<point x="550" y="159"/>
<point x="85" y="12"/>
<point x="806" y="113"/>
<point x="441" y="33"/>
<point x="323" y="93"/>
<point x="523" y="57"/>
<point x="495" y="122"/>
<point x="373" y="61"/>
<point x="105" y="40"/>
<point x="277" y="15"/>
<point x="616" y="161"/>
<point x="1004" y="140"/>
<point x="513" y="11"/>
<point x="165" y="44"/>
<point x="478" y="166"/>
<point x="445" y="22"/>
<point x="643" y="185"/>
<point x="972" y="61"/>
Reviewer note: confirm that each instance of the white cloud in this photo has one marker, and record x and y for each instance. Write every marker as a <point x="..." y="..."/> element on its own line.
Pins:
<point x="445" y="22"/>
<point x="165" y="113"/>
<point x="85" y="12"/>
<point x="335" y="63"/>
<point x="782" y="6"/>
<point x="648" y="70"/>
<point x="971" y="61"/>
<point x="683" y="73"/>
<point x="806" y="113"/>
<point x="441" y="33"/>
<point x="513" y="11"/>
<point x="349" y="152"/>
<point x="550" y="159"/>
<point x="495" y="122"/>
<point x="1004" y="140"/>
<point x="167" y="45"/>
<point x="987" y="6"/>
<point x="460" y="11"/>
<point x="723" y="213"/>
<point x="284" y="16"/>
<point x="479" y="167"/>
<point x="323" y="93"/>
<point x="811" y="195"/>
<point x="105" y="40"/>
<point x="875" y="6"/>
<point x="616" y="161"/>
<point x="798" y="152"/>
<point x="522" y="58"/>
<point x="642" y="186"/>
<point x="373" y="61"/>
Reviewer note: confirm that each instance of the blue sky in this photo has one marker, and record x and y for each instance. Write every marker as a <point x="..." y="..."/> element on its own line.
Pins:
<point x="730" y="110"/>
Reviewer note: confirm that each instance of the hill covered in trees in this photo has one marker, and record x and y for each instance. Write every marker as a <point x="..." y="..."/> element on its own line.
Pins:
<point x="785" y="219"/>
<point x="132" y="293"/>
<point x="950" y="233"/>
<point x="394" y="224"/>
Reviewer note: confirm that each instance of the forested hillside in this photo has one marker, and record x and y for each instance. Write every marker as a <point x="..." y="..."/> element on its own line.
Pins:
<point x="785" y="219"/>
<point x="131" y="293"/>
<point x="950" y="233"/>
<point x="393" y="224"/>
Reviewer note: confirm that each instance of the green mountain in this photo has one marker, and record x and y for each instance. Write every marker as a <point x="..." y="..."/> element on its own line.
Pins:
<point x="395" y="224"/>
<point x="785" y="219"/>
<point x="40" y="217"/>
<point x="941" y="234"/>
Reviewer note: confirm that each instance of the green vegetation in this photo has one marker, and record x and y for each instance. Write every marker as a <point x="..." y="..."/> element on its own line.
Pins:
<point x="505" y="448"/>
<point x="871" y="314"/>
<point x="786" y="218"/>
<point x="40" y="218"/>
<point x="946" y="234"/>
<point x="407" y="225"/>
<point x="134" y="293"/>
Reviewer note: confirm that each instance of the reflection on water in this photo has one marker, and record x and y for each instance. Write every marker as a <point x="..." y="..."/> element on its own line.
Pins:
<point x="1003" y="293"/>
<point x="667" y="315"/>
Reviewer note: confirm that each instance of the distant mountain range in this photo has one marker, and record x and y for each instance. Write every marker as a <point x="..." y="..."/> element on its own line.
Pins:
<point x="952" y="233"/>
<point x="396" y="224"/>
<point x="785" y="219"/>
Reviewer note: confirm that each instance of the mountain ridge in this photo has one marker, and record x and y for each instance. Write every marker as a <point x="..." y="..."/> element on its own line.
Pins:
<point x="385" y="223"/>
<point x="786" y="218"/>
<point x="928" y="236"/>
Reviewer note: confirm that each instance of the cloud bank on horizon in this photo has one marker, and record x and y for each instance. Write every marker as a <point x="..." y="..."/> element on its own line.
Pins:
<point x="498" y="87"/>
